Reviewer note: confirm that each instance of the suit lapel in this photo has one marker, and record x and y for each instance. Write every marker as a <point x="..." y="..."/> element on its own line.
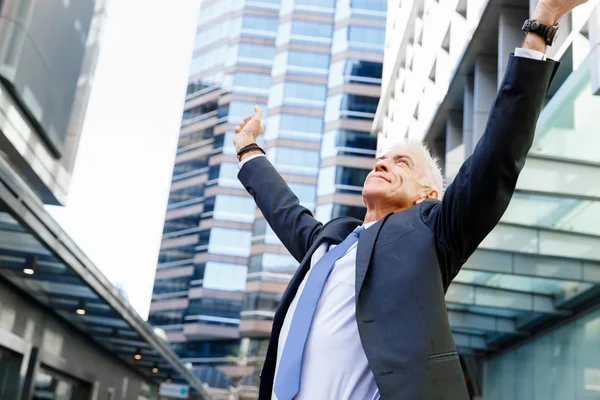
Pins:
<point x="334" y="232"/>
<point x="364" y="252"/>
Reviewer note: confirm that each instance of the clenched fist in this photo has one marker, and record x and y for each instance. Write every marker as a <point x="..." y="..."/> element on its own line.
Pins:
<point x="248" y="129"/>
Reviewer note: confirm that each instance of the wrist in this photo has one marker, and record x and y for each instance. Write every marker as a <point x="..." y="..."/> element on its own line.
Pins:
<point x="242" y="141"/>
<point x="250" y="154"/>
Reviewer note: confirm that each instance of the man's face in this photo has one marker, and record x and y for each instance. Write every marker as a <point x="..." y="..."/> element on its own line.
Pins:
<point x="394" y="181"/>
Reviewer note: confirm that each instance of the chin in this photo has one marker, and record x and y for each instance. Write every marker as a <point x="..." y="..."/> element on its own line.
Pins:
<point x="370" y="191"/>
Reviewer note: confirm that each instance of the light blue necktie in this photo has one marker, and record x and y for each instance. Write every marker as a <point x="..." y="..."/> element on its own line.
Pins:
<point x="287" y="381"/>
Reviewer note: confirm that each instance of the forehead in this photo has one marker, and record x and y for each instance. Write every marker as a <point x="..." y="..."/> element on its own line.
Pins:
<point x="404" y="152"/>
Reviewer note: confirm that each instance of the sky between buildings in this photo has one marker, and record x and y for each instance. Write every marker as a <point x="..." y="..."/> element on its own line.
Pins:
<point x="120" y="185"/>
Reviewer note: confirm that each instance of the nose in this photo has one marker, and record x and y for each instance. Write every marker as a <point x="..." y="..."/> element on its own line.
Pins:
<point x="381" y="165"/>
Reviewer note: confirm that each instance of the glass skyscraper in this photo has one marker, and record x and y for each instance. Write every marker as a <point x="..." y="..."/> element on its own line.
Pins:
<point x="316" y="69"/>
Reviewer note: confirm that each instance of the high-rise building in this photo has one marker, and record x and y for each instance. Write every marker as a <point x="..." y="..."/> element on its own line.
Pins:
<point x="524" y="309"/>
<point x="315" y="67"/>
<point x="65" y="331"/>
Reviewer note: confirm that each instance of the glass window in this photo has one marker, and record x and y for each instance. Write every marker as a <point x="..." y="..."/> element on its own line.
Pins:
<point x="230" y="242"/>
<point x="10" y="366"/>
<point x="187" y="193"/>
<point x="208" y="59"/>
<point x="180" y="224"/>
<point x="228" y="175"/>
<point x="306" y="193"/>
<point x="217" y="9"/>
<point x="224" y="276"/>
<point x="234" y="208"/>
<point x="323" y="212"/>
<point x="237" y="110"/>
<point x="215" y="33"/>
<point x="205" y="84"/>
<point x="206" y="349"/>
<point x="299" y="58"/>
<point x="256" y="24"/>
<point x="361" y="8"/>
<point x="251" y="53"/>
<point x="297" y="94"/>
<point x="327" y="212"/>
<point x="53" y="385"/>
<point x="200" y="112"/>
<point x="261" y="301"/>
<point x="224" y="143"/>
<point x="293" y="126"/>
<point x="215" y="307"/>
<point x="294" y="161"/>
<point x="350" y="106"/>
<point x="171" y="285"/>
<point x="304" y="32"/>
<point x="309" y="28"/>
<point x="301" y="62"/>
<point x="341" y="180"/>
<point x="347" y="142"/>
<point x="268" y="4"/>
<point x="366" y="36"/>
<point x="166" y="256"/>
<point x="248" y="82"/>
<point x="166" y="317"/>
<point x="195" y="137"/>
<point x="326" y="183"/>
<point x="355" y="71"/>
<point x="355" y="37"/>
<point x="269" y="262"/>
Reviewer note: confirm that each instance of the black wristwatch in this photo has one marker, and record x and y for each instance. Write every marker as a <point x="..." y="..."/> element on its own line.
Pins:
<point x="548" y="33"/>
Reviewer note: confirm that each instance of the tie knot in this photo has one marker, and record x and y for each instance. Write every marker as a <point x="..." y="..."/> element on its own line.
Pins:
<point x="358" y="230"/>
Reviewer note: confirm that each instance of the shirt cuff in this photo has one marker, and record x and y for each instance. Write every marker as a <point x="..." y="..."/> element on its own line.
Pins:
<point x="528" y="53"/>
<point x="241" y="163"/>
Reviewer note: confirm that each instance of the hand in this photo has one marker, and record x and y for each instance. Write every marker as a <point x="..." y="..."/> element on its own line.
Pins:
<point x="548" y="12"/>
<point x="248" y="129"/>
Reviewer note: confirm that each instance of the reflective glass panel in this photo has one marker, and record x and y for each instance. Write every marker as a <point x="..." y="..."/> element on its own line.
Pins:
<point x="294" y="161"/>
<point x="355" y="71"/>
<point x="223" y="276"/>
<point x="230" y="242"/>
<point x="234" y="208"/>
<point x="568" y="125"/>
<point x="293" y="126"/>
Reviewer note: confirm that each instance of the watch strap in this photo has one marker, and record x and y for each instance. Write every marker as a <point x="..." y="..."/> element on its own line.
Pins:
<point x="248" y="148"/>
<point x="547" y="32"/>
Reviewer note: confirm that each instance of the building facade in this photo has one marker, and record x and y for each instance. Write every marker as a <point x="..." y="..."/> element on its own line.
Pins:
<point x="315" y="67"/>
<point x="524" y="309"/>
<point x="65" y="331"/>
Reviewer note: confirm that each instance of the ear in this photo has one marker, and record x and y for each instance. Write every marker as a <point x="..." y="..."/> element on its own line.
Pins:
<point x="428" y="193"/>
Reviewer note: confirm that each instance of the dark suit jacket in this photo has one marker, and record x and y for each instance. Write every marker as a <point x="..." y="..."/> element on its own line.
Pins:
<point x="406" y="261"/>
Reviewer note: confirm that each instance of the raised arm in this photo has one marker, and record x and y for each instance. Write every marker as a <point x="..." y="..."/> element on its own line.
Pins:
<point x="293" y="224"/>
<point x="474" y="203"/>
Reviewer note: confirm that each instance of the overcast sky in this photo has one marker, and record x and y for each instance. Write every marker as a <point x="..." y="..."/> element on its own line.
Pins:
<point x="120" y="185"/>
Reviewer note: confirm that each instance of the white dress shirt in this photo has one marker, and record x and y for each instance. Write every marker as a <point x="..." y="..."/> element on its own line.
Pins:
<point x="334" y="366"/>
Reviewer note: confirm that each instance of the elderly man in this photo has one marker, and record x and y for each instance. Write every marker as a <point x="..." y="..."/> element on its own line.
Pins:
<point x="364" y="316"/>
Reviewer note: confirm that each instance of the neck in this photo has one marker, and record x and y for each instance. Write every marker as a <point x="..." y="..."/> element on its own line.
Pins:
<point x="374" y="215"/>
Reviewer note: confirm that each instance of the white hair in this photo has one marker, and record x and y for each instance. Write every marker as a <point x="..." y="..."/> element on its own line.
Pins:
<point x="432" y="173"/>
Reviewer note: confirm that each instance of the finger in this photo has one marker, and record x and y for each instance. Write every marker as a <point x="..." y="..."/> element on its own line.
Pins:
<point x="237" y="129"/>
<point x="258" y="112"/>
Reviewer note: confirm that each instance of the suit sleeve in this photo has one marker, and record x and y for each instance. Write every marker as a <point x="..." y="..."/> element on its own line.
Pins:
<point x="293" y="224"/>
<point x="474" y="203"/>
